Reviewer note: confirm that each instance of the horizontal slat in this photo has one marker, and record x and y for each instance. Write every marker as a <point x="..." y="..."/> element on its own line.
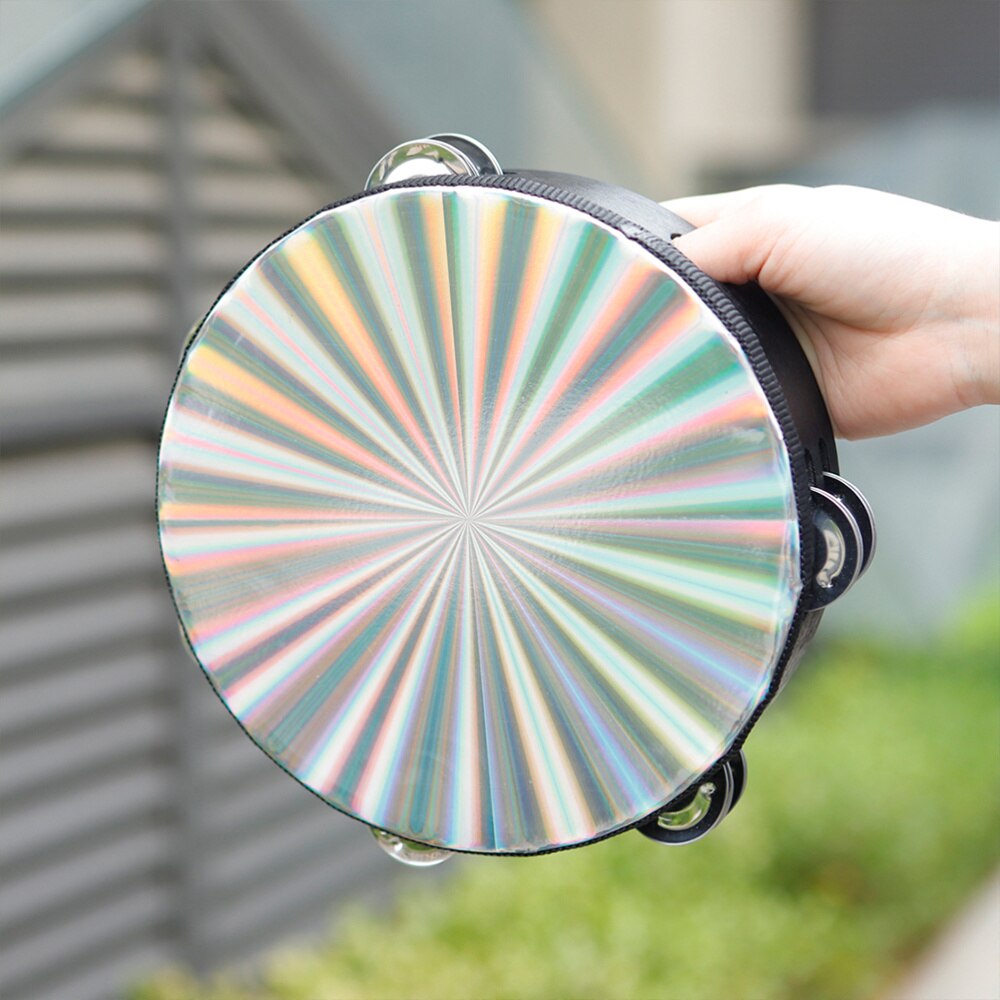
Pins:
<point x="48" y="394"/>
<point x="106" y="418"/>
<point x="78" y="752"/>
<point x="88" y="684"/>
<point x="51" y="254"/>
<point x="363" y="878"/>
<point x="231" y="758"/>
<point x="228" y="249"/>
<point x="52" y="191"/>
<point x="132" y="914"/>
<point x="248" y="860"/>
<point x="214" y="87"/>
<point x="225" y="137"/>
<point x="134" y="74"/>
<point x="64" y="560"/>
<point x="97" y="810"/>
<point x="208" y="287"/>
<point x="37" y="193"/>
<point x="315" y="885"/>
<point x="88" y="978"/>
<point x="43" y="893"/>
<point x="60" y="194"/>
<point x="215" y="721"/>
<point x="73" y="484"/>
<point x="105" y="127"/>
<point x="69" y="627"/>
<point x="234" y="194"/>
<point x="268" y="802"/>
<point x="62" y="315"/>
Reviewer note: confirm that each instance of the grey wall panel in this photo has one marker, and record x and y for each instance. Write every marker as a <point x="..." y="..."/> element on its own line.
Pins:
<point x="82" y="748"/>
<point x="80" y="816"/>
<point x="62" y="630"/>
<point x="225" y="249"/>
<point x="70" y="484"/>
<point x="66" y="315"/>
<point x="88" y="684"/>
<point x="137" y="823"/>
<point x="39" y="389"/>
<point x="92" y="974"/>
<point x="100" y="129"/>
<point x="290" y="889"/>
<point x="230" y="762"/>
<point x="65" y="943"/>
<point x="31" y="894"/>
<point x="236" y="196"/>
<point x="264" y="802"/>
<point x="60" y="193"/>
<point x="250" y="860"/>
<point x="59" y="560"/>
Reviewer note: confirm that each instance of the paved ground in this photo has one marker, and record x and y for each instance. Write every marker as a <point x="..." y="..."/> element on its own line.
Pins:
<point x="964" y="964"/>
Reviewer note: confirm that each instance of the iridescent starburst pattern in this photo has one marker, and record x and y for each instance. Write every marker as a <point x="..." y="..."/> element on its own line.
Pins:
<point x="477" y="519"/>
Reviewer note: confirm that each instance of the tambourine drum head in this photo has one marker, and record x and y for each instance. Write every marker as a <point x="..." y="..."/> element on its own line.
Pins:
<point x="477" y="519"/>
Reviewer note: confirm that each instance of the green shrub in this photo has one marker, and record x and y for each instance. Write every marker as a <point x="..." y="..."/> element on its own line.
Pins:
<point x="871" y="813"/>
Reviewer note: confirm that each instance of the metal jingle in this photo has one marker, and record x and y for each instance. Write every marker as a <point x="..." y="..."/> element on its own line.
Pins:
<point x="839" y="548"/>
<point x="709" y="803"/>
<point x="410" y="852"/>
<point x="858" y="504"/>
<point x="484" y="161"/>
<point x="437" y="154"/>
<point x="738" y="766"/>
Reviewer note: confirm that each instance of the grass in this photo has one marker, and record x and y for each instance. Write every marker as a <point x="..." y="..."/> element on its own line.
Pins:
<point x="871" y="813"/>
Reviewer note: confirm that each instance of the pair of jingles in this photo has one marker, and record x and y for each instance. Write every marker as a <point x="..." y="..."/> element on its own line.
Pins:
<point x="493" y="520"/>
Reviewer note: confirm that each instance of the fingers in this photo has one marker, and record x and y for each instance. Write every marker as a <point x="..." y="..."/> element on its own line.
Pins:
<point x="701" y="209"/>
<point x="728" y="249"/>
<point x="737" y="231"/>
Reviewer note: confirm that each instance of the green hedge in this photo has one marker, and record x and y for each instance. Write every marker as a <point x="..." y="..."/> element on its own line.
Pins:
<point x="871" y="813"/>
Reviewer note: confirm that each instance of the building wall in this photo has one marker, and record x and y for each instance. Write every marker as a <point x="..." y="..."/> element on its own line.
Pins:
<point x="138" y="825"/>
<point x="688" y="84"/>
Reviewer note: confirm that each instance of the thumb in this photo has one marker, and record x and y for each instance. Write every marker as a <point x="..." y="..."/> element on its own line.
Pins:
<point x="737" y="231"/>
<point x="701" y="209"/>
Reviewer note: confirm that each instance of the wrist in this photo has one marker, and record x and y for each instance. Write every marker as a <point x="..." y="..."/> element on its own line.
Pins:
<point x="976" y="337"/>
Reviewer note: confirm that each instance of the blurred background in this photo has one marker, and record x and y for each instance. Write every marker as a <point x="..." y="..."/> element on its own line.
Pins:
<point x="147" y="150"/>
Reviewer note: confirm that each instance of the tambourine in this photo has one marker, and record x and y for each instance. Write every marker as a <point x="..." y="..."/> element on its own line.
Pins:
<point x="493" y="520"/>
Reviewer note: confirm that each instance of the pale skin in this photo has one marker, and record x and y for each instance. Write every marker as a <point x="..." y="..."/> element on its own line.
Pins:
<point x="895" y="302"/>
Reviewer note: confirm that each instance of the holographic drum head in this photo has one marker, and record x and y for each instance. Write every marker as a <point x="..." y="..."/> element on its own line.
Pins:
<point x="477" y="519"/>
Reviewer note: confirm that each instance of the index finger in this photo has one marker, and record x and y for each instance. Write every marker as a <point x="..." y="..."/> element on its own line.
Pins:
<point x="701" y="209"/>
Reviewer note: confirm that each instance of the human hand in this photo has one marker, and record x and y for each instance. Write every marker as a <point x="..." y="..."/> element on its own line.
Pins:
<point x="895" y="302"/>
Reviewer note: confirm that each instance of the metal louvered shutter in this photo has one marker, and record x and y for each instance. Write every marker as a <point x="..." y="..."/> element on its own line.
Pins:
<point x="138" y="825"/>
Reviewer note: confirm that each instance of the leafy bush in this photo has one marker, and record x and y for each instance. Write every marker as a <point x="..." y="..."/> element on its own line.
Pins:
<point x="871" y="813"/>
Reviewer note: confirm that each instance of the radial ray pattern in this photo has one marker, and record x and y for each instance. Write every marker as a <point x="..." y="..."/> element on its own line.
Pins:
<point x="477" y="519"/>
